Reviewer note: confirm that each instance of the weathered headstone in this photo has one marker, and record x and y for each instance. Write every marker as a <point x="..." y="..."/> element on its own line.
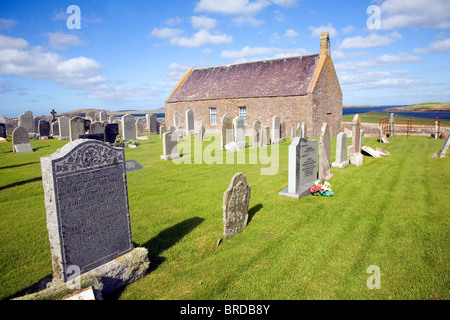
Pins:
<point x="93" y="136"/>
<point x="170" y="149"/>
<point x="239" y="132"/>
<point x="236" y="200"/>
<point x="370" y="151"/>
<point x="356" y="133"/>
<point x="324" y="153"/>
<point x="128" y="127"/>
<point x="140" y="127"/>
<point x="26" y="121"/>
<point x="97" y="127"/>
<point x="227" y="130"/>
<point x="341" y="151"/>
<point x="111" y="132"/>
<point x="176" y="122"/>
<point x="76" y="127"/>
<point x="44" y="128"/>
<point x="299" y="130"/>
<point x="119" y="124"/>
<point x="304" y="129"/>
<point x="276" y="130"/>
<point x="283" y="131"/>
<point x="383" y="152"/>
<point x="189" y="122"/>
<point x="152" y="123"/>
<point x="88" y="219"/>
<point x="10" y="126"/>
<point x="265" y="136"/>
<point x="392" y="125"/>
<point x="3" y="130"/>
<point x="162" y="130"/>
<point x="293" y="131"/>
<point x="302" y="168"/>
<point x="112" y="118"/>
<point x="443" y="152"/>
<point x="87" y="125"/>
<point x="64" y="126"/>
<point x="256" y="138"/>
<point x="201" y="132"/>
<point x="180" y="133"/>
<point x="55" y="128"/>
<point x="102" y="116"/>
<point x="2" y="119"/>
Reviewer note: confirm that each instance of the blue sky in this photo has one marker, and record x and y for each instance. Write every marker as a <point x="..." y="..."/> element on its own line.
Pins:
<point x="130" y="54"/>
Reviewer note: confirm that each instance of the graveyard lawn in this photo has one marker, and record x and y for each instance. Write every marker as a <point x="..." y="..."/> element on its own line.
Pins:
<point x="390" y="212"/>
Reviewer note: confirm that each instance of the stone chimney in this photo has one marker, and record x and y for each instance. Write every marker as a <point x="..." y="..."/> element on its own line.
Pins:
<point x="325" y="44"/>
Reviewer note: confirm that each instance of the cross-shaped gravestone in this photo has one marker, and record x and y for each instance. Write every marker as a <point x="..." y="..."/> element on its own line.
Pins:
<point x="53" y="113"/>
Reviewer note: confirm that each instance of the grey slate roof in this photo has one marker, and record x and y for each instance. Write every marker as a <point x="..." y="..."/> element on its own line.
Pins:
<point x="268" y="78"/>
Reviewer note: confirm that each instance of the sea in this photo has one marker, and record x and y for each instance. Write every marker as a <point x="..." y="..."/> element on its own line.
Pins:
<point x="445" y="115"/>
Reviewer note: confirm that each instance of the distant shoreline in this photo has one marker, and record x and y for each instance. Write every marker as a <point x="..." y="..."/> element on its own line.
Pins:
<point x="405" y="109"/>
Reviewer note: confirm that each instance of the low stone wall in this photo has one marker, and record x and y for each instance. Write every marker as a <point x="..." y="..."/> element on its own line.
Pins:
<point x="373" y="130"/>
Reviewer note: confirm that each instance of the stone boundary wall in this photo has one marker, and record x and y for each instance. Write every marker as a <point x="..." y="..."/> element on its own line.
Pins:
<point x="372" y="130"/>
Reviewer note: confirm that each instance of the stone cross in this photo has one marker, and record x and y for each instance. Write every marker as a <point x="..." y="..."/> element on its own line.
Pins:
<point x="53" y="113"/>
<point x="236" y="200"/>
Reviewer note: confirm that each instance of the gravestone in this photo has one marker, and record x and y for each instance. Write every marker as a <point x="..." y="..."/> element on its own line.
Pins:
<point x="341" y="151"/>
<point x="44" y="128"/>
<point x="324" y="153"/>
<point x="88" y="219"/>
<point x="227" y="130"/>
<point x="283" y="131"/>
<point x="392" y="125"/>
<point x="370" y="151"/>
<point x="276" y="130"/>
<point x="239" y="132"/>
<point x="153" y="124"/>
<point x="2" y="119"/>
<point x="265" y="136"/>
<point x="3" y="130"/>
<point x="236" y="200"/>
<point x="111" y="132"/>
<point x="201" y="132"/>
<point x="162" y="130"/>
<point x="302" y="168"/>
<point x="128" y="127"/>
<point x="256" y="138"/>
<point x="304" y="130"/>
<point x="86" y="201"/>
<point x="26" y="121"/>
<point x="76" y="127"/>
<point x="119" y="124"/>
<point x="93" y="136"/>
<point x="383" y="152"/>
<point x="112" y="118"/>
<point x="293" y="131"/>
<point x="97" y="127"/>
<point x="356" y="133"/>
<point x="443" y="152"/>
<point x="189" y="122"/>
<point x="10" y="126"/>
<point x="140" y="127"/>
<point x="180" y="131"/>
<point x="55" y="128"/>
<point x="64" y="126"/>
<point x="102" y="116"/>
<point x="299" y="130"/>
<point x="170" y="149"/>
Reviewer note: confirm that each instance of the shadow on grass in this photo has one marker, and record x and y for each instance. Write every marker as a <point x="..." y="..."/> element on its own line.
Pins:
<point x="168" y="238"/>
<point x="253" y="211"/>
<point x="18" y="165"/>
<point x="16" y="184"/>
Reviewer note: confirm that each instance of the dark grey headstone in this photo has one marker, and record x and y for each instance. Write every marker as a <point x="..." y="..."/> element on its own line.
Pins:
<point x="86" y="201"/>
<point x="111" y="132"/>
<point x="44" y="128"/>
<point x="93" y="136"/>
<point x="3" y="130"/>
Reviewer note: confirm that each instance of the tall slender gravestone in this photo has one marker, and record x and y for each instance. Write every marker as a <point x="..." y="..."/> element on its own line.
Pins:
<point x="170" y="149"/>
<point x="239" y="132"/>
<point x="341" y="151"/>
<point x="64" y="126"/>
<point x="293" y="131"/>
<point x="140" y="127"/>
<point x="276" y="130"/>
<point x="26" y="121"/>
<point x="256" y="139"/>
<point x="443" y="152"/>
<point x="324" y="153"/>
<point x="265" y="136"/>
<point x="392" y="126"/>
<point x="21" y="140"/>
<point x="302" y="168"/>
<point x="189" y="122"/>
<point x="354" y="153"/>
<point x="76" y="127"/>
<point x="3" y="133"/>
<point x="153" y="124"/>
<point x="102" y="116"/>
<point x="201" y="132"/>
<point x="162" y="130"/>
<point x="236" y="200"/>
<point x="227" y="130"/>
<point x="55" y="128"/>
<point x="304" y="130"/>
<point x="176" y="122"/>
<point x="128" y="127"/>
<point x="88" y="219"/>
<point x="283" y="131"/>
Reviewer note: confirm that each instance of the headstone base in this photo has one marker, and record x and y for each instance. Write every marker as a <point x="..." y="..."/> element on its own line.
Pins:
<point x="341" y="165"/>
<point x="23" y="148"/>
<point x="302" y="192"/>
<point x="170" y="156"/>
<point x="356" y="159"/>
<point x="104" y="279"/>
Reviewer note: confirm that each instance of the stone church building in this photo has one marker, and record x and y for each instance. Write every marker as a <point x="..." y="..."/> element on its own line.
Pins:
<point x="297" y="89"/>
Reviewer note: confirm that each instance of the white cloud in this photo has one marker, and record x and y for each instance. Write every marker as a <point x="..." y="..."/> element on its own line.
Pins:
<point x="418" y="14"/>
<point x="201" y="38"/>
<point x="203" y="22"/>
<point x="242" y="20"/>
<point x="348" y="29"/>
<point x="58" y="40"/>
<point x="6" y="24"/>
<point x="436" y="46"/>
<point x="166" y="32"/>
<point x="174" y="21"/>
<point x="285" y="3"/>
<point x="290" y="33"/>
<point x="176" y="71"/>
<point x="317" y="31"/>
<point x="81" y="73"/>
<point x="382" y="60"/>
<point x="261" y="52"/>
<point x="373" y="40"/>
<point x="232" y="7"/>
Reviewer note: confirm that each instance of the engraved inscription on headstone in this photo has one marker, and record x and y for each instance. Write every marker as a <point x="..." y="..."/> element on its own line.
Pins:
<point x="236" y="200"/>
<point x="86" y="201"/>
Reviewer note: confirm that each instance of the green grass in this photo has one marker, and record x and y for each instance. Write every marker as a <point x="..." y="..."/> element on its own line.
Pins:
<point x="391" y="212"/>
<point x="443" y="106"/>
